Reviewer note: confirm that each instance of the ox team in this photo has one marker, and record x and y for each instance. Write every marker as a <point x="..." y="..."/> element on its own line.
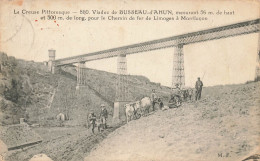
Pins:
<point x="141" y="108"/>
<point x="177" y="96"/>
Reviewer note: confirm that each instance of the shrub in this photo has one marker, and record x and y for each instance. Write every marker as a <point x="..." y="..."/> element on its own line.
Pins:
<point x="12" y="93"/>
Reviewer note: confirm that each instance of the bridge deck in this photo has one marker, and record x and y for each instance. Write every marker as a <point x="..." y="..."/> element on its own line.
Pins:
<point x="184" y="39"/>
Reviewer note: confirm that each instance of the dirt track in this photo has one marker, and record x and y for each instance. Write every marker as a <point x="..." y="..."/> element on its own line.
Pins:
<point x="224" y="125"/>
<point x="61" y="144"/>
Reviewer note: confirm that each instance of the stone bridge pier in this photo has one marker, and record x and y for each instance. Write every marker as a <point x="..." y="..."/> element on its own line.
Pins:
<point x="81" y="75"/>
<point x="122" y="91"/>
<point x="51" y="63"/>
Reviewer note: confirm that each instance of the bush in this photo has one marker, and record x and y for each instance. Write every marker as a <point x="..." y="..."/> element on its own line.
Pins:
<point x="12" y="93"/>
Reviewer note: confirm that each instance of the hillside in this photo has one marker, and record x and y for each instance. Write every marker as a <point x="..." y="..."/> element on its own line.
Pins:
<point x="28" y="90"/>
<point x="224" y="125"/>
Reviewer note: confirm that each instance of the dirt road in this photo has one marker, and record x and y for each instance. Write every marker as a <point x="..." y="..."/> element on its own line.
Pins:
<point x="223" y="126"/>
<point x="61" y="144"/>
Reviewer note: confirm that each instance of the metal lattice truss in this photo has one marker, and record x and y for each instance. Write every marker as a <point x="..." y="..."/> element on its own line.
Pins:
<point x="122" y="91"/>
<point x="81" y="74"/>
<point x="189" y="38"/>
<point x="178" y="75"/>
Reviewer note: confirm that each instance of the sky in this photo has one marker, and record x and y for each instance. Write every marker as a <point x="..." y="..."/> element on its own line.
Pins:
<point x="224" y="61"/>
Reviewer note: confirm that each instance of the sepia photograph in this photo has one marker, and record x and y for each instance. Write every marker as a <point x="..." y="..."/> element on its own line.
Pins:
<point x="130" y="80"/>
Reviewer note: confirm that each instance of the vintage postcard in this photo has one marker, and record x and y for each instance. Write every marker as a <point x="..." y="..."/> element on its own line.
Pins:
<point x="129" y="80"/>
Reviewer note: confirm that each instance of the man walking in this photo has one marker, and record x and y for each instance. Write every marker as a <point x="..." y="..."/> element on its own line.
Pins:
<point x="154" y="98"/>
<point x="198" y="87"/>
<point x="92" y="120"/>
<point x="103" y="116"/>
<point x="175" y="94"/>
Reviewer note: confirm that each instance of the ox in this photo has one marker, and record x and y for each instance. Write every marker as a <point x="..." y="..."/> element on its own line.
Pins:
<point x="131" y="110"/>
<point x="145" y="104"/>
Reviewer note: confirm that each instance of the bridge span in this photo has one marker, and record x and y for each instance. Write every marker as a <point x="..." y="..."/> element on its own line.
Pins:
<point x="174" y="41"/>
<point x="177" y="42"/>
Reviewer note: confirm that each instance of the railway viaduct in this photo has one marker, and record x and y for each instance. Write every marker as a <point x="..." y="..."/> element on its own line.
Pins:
<point x="175" y="42"/>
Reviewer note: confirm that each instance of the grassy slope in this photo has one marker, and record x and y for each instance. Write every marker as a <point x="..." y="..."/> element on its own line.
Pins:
<point x="226" y="120"/>
<point x="105" y="84"/>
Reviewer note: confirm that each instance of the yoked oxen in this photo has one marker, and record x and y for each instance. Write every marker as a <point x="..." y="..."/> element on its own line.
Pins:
<point x="145" y="104"/>
<point x="132" y="110"/>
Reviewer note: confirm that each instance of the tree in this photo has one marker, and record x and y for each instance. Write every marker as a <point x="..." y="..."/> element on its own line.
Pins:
<point x="12" y="93"/>
<point x="3" y="59"/>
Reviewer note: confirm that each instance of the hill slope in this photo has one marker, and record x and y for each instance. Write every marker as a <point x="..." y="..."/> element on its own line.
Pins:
<point x="28" y="90"/>
<point x="224" y="125"/>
